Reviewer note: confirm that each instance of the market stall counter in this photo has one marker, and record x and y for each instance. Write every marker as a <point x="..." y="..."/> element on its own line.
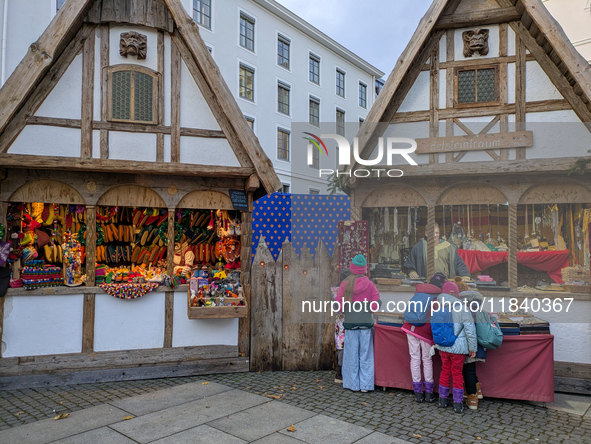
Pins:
<point x="522" y="368"/>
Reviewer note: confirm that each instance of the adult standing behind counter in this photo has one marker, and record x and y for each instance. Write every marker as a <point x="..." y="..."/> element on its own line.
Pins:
<point x="447" y="259"/>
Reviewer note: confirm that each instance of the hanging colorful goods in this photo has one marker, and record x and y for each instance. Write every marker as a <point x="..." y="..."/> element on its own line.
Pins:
<point x="72" y="256"/>
<point x="2" y="231"/>
<point x="129" y="291"/>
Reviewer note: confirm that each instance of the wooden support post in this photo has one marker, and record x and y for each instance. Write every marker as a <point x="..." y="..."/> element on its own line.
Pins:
<point x="288" y="349"/>
<point x="175" y="117"/>
<point x="519" y="92"/>
<point x="431" y="241"/>
<point x="104" y="88"/>
<point x="449" y="87"/>
<point x="434" y="100"/>
<point x="168" y="318"/>
<point x="159" y="136"/>
<point x="170" y="246"/>
<point x="503" y="83"/>
<point x="88" y="323"/>
<point x="512" y="259"/>
<point x="245" y="261"/>
<point x="87" y="96"/>
<point x="90" y="245"/>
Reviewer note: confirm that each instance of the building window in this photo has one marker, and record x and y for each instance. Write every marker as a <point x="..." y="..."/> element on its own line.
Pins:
<point x="282" y="144"/>
<point x="283" y="51"/>
<point x="476" y="85"/>
<point x="283" y="98"/>
<point x="246" y="31"/>
<point x="340" y="83"/>
<point x="59" y="4"/>
<point x="285" y="188"/>
<point x="314" y="69"/>
<point x="315" y="158"/>
<point x="362" y="95"/>
<point x="246" y="82"/>
<point x="202" y="12"/>
<point x="132" y="92"/>
<point x="340" y="122"/>
<point x="313" y="191"/>
<point x="250" y="122"/>
<point x="361" y="120"/>
<point x="315" y="111"/>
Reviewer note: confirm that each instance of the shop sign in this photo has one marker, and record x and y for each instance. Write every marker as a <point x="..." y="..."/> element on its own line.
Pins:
<point x="239" y="200"/>
<point x="476" y="142"/>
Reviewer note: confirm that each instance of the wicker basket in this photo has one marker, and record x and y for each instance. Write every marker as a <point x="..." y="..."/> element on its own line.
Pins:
<point x="576" y="274"/>
<point x="577" y="288"/>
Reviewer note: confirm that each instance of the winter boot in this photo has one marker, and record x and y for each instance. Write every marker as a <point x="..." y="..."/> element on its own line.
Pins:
<point x="479" y="391"/>
<point x="429" y="395"/>
<point x="472" y="402"/>
<point x="418" y="388"/>
<point x="443" y="394"/>
<point x="458" y="400"/>
<point x="339" y="376"/>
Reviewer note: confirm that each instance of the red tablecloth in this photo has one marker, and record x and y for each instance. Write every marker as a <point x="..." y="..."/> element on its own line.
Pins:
<point x="551" y="262"/>
<point x="521" y="368"/>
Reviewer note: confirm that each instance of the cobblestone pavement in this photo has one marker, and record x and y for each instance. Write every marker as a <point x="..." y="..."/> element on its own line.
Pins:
<point x="393" y="411"/>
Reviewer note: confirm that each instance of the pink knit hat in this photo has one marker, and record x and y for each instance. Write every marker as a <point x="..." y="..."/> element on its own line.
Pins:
<point x="450" y="288"/>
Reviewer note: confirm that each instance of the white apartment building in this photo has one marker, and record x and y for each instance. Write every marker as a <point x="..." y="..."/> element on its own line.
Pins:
<point x="281" y="70"/>
<point x="575" y="18"/>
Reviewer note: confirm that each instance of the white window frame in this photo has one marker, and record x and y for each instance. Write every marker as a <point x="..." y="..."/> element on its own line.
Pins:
<point x="361" y="82"/>
<point x="336" y="129"/>
<point x="312" y="54"/>
<point x="286" y="184"/>
<point x="252" y="119"/>
<point x="248" y="16"/>
<point x="313" y="98"/>
<point x="202" y="26"/>
<point x="285" y="37"/>
<point x="286" y="85"/>
<point x="317" y="191"/>
<point x="288" y="131"/>
<point x="344" y="72"/>
<point x="254" y="83"/>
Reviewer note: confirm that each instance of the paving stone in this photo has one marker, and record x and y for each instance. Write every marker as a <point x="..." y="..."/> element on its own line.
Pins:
<point x="101" y="435"/>
<point x="277" y="438"/>
<point x="326" y="430"/>
<point x="201" y="434"/>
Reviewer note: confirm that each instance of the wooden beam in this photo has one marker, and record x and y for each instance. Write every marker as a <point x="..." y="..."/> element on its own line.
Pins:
<point x="477" y="18"/>
<point x="175" y="110"/>
<point x="121" y="166"/>
<point x="430" y="229"/>
<point x="552" y="71"/>
<point x="168" y="317"/>
<point x="464" y="128"/>
<point x="105" y="62"/>
<point x="40" y="56"/>
<point x="449" y="86"/>
<point x="88" y="323"/>
<point x="211" y="100"/>
<point x="245" y="261"/>
<point x="160" y="137"/>
<point x="14" y="126"/>
<point x="211" y="73"/>
<point x="170" y="245"/>
<point x="503" y="82"/>
<point x="451" y="113"/>
<point x="474" y="63"/>
<point x="512" y="242"/>
<point x="434" y="99"/>
<point x="520" y="96"/>
<point x="253" y="183"/>
<point x="87" y="96"/>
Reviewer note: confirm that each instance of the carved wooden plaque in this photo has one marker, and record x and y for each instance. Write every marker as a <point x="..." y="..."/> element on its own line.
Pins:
<point x="477" y="142"/>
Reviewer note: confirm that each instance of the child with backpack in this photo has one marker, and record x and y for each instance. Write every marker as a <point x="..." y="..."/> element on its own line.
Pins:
<point x="419" y="336"/>
<point x="454" y="335"/>
<point x="356" y="295"/>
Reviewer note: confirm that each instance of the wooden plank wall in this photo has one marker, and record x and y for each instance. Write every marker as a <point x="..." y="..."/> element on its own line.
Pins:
<point x="282" y="336"/>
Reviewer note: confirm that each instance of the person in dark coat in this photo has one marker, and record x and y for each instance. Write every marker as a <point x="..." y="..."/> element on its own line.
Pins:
<point x="447" y="259"/>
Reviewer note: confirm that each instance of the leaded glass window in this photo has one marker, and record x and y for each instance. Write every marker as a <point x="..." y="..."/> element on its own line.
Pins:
<point x="132" y="95"/>
<point x="476" y="86"/>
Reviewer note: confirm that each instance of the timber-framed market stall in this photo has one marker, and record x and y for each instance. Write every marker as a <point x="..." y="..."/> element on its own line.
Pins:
<point x="499" y="103"/>
<point x="126" y="188"/>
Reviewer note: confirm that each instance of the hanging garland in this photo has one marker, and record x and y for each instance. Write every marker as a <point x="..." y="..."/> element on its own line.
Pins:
<point x="100" y="235"/>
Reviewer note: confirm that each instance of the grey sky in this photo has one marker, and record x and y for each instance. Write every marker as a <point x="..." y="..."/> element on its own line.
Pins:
<point x="376" y="30"/>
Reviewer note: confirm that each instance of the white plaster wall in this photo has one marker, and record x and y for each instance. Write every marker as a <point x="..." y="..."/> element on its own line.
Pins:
<point x="132" y="146"/>
<point x="510" y="82"/>
<point x="537" y="84"/>
<point x="42" y="325"/>
<point x="167" y="149"/>
<point x="206" y="151"/>
<point x="167" y="70"/>
<point x="557" y="134"/>
<point x="510" y="41"/>
<point x="192" y="332"/>
<point x="493" y="43"/>
<point x="195" y="112"/>
<point x="96" y="144"/>
<point x="129" y="324"/>
<point x="65" y="100"/>
<point x="47" y="141"/>
<point x="417" y="98"/>
<point x="443" y="48"/>
<point x="413" y="130"/>
<point x="115" y="58"/>
<point x="442" y="88"/>
<point x="97" y="76"/>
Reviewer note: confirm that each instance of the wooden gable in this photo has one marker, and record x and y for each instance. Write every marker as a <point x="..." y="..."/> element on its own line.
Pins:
<point x="198" y="130"/>
<point x="432" y="58"/>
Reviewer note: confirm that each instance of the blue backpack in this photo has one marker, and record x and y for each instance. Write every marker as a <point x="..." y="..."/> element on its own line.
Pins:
<point x="442" y="327"/>
<point x="417" y="313"/>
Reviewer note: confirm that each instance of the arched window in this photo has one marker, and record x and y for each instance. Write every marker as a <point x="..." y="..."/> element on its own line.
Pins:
<point x="132" y="94"/>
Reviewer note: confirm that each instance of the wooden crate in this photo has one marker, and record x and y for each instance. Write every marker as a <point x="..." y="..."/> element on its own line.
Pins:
<point x="386" y="281"/>
<point x="239" y="311"/>
<point x="577" y="288"/>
